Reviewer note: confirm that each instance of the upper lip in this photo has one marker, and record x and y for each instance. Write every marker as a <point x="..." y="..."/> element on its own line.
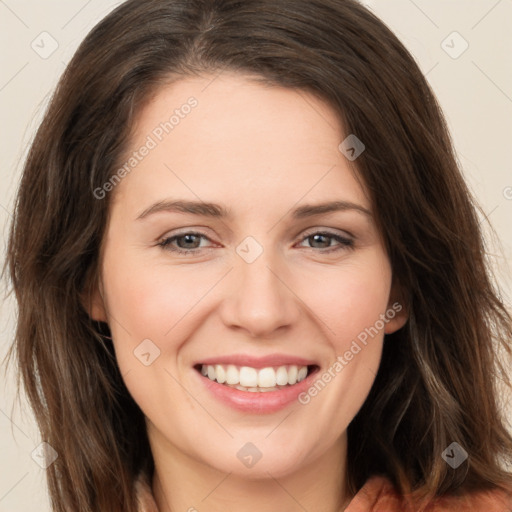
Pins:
<point x="257" y="361"/>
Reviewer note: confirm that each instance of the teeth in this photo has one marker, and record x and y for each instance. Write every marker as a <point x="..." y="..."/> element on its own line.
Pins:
<point x="232" y="375"/>
<point x="302" y="374"/>
<point x="250" y="379"/>
<point x="220" y="374"/>
<point x="267" y="378"/>
<point x="282" y="376"/>
<point x="292" y="375"/>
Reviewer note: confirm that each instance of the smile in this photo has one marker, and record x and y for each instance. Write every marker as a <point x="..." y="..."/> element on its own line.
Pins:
<point x="246" y="378"/>
<point x="257" y="385"/>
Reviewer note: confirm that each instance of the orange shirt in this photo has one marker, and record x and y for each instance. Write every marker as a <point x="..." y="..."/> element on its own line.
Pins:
<point x="379" y="495"/>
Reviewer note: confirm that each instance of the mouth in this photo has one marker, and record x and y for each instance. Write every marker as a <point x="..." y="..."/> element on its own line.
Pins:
<point x="256" y="380"/>
<point x="256" y="385"/>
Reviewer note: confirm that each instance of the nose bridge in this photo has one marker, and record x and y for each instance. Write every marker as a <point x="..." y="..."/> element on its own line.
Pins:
<point x="259" y="301"/>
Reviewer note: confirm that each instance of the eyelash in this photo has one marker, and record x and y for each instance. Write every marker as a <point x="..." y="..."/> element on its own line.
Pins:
<point x="345" y="243"/>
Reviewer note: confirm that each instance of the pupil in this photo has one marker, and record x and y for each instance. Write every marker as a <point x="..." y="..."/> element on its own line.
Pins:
<point x="318" y="238"/>
<point x="189" y="239"/>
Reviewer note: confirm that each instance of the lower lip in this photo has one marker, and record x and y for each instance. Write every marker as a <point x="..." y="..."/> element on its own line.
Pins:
<point x="257" y="402"/>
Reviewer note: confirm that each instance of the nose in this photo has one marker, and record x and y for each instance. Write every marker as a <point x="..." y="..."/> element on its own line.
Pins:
<point x="259" y="299"/>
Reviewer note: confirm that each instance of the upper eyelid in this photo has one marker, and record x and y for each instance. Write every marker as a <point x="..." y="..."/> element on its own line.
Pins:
<point x="328" y="231"/>
<point x="306" y="232"/>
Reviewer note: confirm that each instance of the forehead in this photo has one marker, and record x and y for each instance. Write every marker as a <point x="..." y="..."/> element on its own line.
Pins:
<point x="228" y="139"/>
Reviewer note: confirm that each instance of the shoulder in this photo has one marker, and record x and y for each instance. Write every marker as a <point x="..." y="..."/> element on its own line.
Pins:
<point x="494" y="500"/>
<point x="379" y="495"/>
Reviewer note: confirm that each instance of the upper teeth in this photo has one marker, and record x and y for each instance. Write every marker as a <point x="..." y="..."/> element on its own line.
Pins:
<point x="251" y="377"/>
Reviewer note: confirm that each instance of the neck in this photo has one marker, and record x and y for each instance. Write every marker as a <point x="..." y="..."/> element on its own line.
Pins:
<point x="182" y="483"/>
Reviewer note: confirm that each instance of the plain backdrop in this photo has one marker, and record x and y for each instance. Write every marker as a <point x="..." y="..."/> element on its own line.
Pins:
<point x="462" y="46"/>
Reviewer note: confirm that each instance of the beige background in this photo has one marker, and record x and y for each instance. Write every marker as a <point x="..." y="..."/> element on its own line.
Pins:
<point x="474" y="88"/>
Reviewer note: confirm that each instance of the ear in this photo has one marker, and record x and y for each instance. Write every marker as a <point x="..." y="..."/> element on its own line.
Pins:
<point x="92" y="298"/>
<point x="397" y="312"/>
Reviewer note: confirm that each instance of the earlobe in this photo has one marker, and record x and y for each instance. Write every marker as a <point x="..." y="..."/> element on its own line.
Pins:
<point x="397" y="315"/>
<point x="397" y="312"/>
<point x="96" y="309"/>
<point x="92" y="301"/>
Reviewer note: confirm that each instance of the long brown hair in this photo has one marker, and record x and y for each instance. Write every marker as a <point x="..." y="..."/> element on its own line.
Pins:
<point x="437" y="380"/>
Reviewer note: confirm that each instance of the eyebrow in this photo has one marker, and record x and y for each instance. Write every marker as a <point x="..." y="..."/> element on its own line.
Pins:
<point x="218" y="211"/>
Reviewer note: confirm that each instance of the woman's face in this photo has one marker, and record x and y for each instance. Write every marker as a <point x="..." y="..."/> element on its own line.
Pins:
<point x="247" y="278"/>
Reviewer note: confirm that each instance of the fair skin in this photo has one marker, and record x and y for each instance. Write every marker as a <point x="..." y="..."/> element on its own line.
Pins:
<point x="260" y="152"/>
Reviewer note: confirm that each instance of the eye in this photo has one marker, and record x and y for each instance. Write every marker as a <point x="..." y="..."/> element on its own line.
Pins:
<point x="322" y="240"/>
<point x="183" y="243"/>
<point x="190" y="242"/>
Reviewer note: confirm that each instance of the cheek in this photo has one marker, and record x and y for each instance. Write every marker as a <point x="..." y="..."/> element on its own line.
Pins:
<point x="350" y="299"/>
<point x="160" y="303"/>
<point x="150" y="307"/>
<point x="150" y="299"/>
<point x="350" y="308"/>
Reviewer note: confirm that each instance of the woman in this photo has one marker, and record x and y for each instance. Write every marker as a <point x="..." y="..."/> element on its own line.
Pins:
<point x="250" y="275"/>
